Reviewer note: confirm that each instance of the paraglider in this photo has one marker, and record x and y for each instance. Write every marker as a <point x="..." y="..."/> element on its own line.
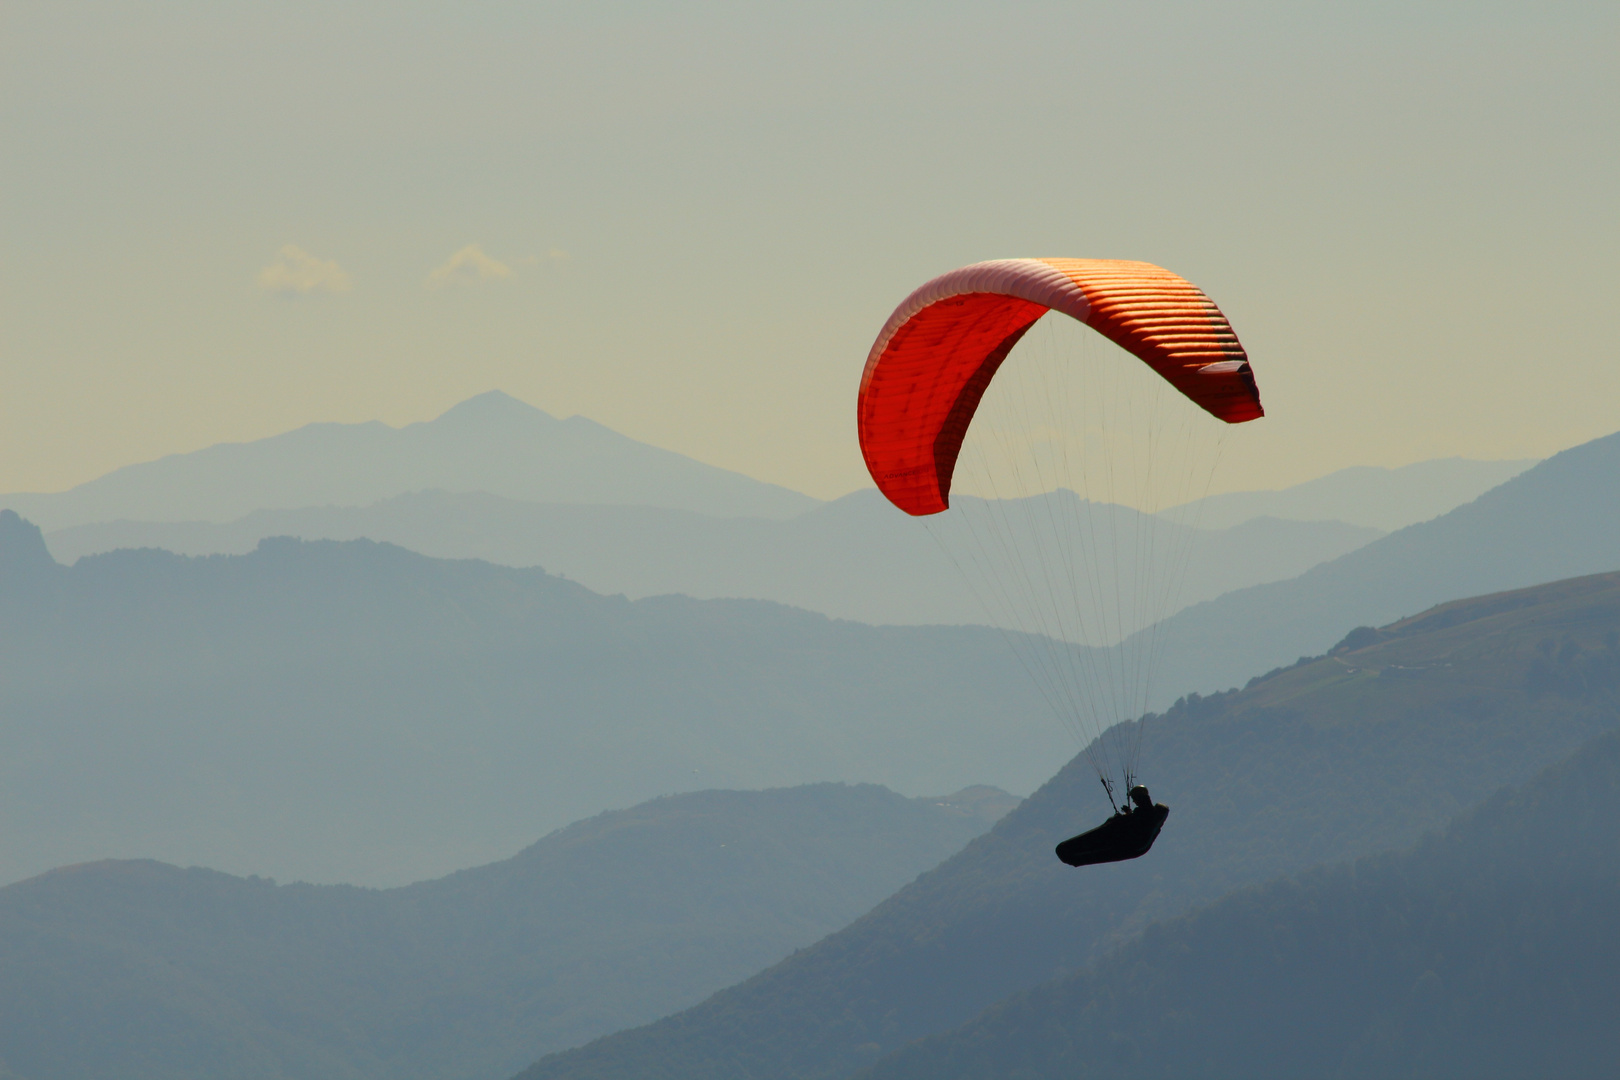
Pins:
<point x="1127" y="835"/>
<point x="939" y="350"/>
<point x="1074" y="543"/>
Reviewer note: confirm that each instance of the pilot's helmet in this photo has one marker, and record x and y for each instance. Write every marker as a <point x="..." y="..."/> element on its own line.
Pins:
<point x="1139" y="795"/>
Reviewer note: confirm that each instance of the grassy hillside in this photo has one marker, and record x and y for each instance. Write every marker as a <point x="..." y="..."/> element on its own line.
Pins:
<point x="355" y="712"/>
<point x="139" y="969"/>
<point x="1487" y="952"/>
<point x="1356" y="752"/>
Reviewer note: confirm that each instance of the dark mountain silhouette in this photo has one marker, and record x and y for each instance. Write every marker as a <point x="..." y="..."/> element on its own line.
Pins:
<point x="1486" y="952"/>
<point x="491" y="443"/>
<point x="1559" y="519"/>
<point x="1360" y="751"/>
<point x="139" y="969"/>
<point x="355" y="712"/>
<point x="853" y="558"/>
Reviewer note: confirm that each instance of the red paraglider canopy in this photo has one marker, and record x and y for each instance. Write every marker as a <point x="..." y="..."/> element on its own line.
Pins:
<point x="941" y="347"/>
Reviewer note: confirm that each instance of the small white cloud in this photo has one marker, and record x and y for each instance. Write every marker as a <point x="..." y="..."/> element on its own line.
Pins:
<point x="468" y="264"/>
<point x="298" y="273"/>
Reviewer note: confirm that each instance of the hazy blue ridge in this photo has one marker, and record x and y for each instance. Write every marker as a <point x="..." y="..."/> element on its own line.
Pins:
<point x="356" y="712"/>
<point x="1559" y="519"/>
<point x="492" y="443"/>
<point x="1365" y="495"/>
<point x="1354" y="753"/>
<point x="137" y="969"/>
<point x="854" y="558"/>
<point x="1488" y="951"/>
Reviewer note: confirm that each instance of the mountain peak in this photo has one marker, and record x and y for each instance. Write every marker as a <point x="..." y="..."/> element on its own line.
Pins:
<point x="492" y="443"/>
<point x="492" y="405"/>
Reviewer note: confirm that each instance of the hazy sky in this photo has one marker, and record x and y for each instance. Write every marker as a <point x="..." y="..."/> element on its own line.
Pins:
<point x="689" y="220"/>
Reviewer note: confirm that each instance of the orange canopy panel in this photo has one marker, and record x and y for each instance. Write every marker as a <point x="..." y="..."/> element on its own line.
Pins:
<point x="939" y="350"/>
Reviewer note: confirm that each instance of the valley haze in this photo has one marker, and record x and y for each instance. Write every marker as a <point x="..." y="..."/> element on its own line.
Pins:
<point x="428" y="713"/>
<point x="499" y="480"/>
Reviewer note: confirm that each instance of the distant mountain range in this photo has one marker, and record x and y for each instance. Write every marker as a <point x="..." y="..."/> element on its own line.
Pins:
<point x="854" y="558"/>
<point x="1366" y="495"/>
<point x="496" y="479"/>
<point x="352" y="711"/>
<point x="497" y="445"/>
<point x="143" y="971"/>
<point x="187" y="698"/>
<point x="1360" y="751"/>
<point x="491" y="443"/>
<point x="1559" y="519"/>
<point x="1486" y="953"/>
<point x="356" y="712"/>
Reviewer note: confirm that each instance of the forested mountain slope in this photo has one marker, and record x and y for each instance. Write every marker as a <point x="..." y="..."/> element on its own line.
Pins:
<point x="1557" y="520"/>
<point x="1487" y="952"/>
<point x="355" y="712"/>
<point x="1356" y="752"/>
<point x="135" y="970"/>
